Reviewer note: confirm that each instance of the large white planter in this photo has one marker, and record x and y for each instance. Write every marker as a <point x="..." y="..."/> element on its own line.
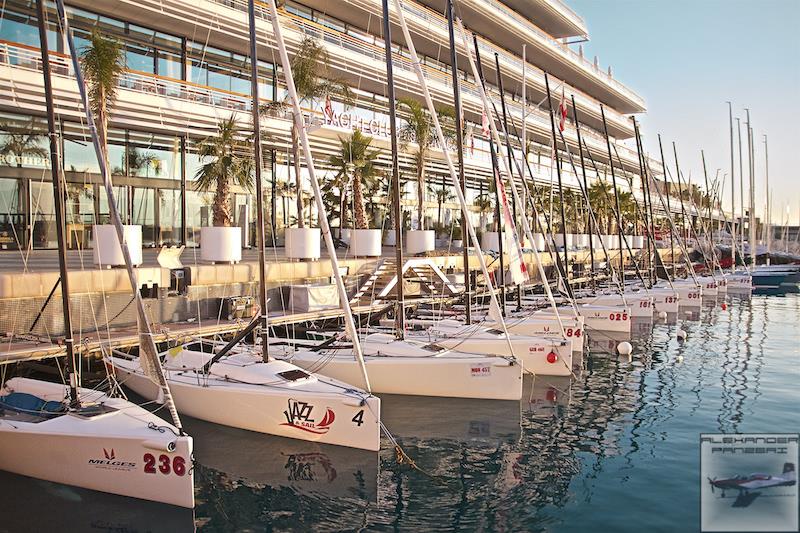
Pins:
<point x="302" y="243"/>
<point x="597" y="241"/>
<point x="638" y="242"/>
<point x="560" y="240"/>
<point x="608" y="241"/>
<point x="539" y="241"/>
<point x="419" y="241"/>
<point x="345" y="235"/>
<point x="221" y="244"/>
<point x="106" y="250"/>
<point x="490" y="241"/>
<point x="365" y="242"/>
<point x="582" y="241"/>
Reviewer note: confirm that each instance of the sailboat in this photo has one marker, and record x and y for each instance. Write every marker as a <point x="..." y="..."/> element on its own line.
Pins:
<point x="397" y="365"/>
<point x="78" y="436"/>
<point x="242" y="389"/>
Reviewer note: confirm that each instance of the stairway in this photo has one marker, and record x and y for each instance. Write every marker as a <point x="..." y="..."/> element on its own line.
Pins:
<point x="381" y="283"/>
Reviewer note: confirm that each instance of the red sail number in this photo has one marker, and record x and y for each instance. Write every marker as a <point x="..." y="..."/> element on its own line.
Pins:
<point x="165" y="465"/>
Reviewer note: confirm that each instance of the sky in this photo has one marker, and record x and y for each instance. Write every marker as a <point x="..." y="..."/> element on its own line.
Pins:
<point x="687" y="58"/>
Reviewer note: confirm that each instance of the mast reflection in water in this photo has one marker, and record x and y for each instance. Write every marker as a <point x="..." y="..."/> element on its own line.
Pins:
<point x="615" y="448"/>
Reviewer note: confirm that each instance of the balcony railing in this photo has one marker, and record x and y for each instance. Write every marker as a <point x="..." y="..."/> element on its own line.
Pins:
<point x="27" y="57"/>
<point x="566" y="52"/>
<point x="23" y="56"/>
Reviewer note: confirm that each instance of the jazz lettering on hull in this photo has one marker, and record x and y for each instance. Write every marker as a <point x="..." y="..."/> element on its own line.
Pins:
<point x="299" y="416"/>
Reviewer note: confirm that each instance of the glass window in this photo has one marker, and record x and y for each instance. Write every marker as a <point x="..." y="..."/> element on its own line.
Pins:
<point x="198" y="215"/>
<point x="121" y="199"/>
<point x="12" y="219"/>
<point x="169" y="65"/>
<point x="140" y="58"/>
<point x="43" y="215"/>
<point x="169" y="216"/>
<point x="144" y="213"/>
<point x="23" y="142"/>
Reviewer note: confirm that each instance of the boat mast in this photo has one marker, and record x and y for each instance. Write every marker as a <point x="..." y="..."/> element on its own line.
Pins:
<point x="510" y="154"/>
<point x="560" y="185"/>
<point x="741" y="189"/>
<point x="648" y="204"/>
<point x="752" y="214"/>
<point x="262" y="278"/>
<point x="148" y="354"/>
<point x="768" y="209"/>
<point x="494" y="310"/>
<point x="400" y="313"/>
<point x="501" y="281"/>
<point x="616" y="198"/>
<point x="733" y="193"/>
<point x="297" y="112"/>
<point x="669" y="209"/>
<point x="592" y="281"/>
<point x="459" y="152"/>
<point x="58" y="200"/>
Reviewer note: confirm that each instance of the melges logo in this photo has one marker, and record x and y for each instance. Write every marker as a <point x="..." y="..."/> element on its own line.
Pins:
<point x="298" y="416"/>
<point x="110" y="462"/>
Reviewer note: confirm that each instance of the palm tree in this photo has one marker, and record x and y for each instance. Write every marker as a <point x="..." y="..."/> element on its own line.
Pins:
<point x="230" y="160"/>
<point x="600" y="201"/>
<point x="313" y="80"/>
<point x="137" y="160"/>
<point x="484" y="205"/>
<point x="355" y="162"/>
<point x="444" y="194"/>
<point x="284" y="189"/>
<point x="22" y="141"/>
<point x="419" y="130"/>
<point x="627" y="207"/>
<point x="103" y="63"/>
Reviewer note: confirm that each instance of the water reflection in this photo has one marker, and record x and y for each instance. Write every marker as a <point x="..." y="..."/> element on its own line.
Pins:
<point x="615" y="445"/>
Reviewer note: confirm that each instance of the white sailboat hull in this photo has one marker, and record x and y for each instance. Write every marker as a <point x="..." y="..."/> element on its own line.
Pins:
<point x="448" y="374"/>
<point x="547" y="327"/>
<point x="740" y="283"/>
<point x="114" y="452"/>
<point x="531" y="351"/>
<point x="640" y="304"/>
<point x="599" y="317"/>
<point x="666" y="299"/>
<point x="313" y="409"/>
<point x="709" y="285"/>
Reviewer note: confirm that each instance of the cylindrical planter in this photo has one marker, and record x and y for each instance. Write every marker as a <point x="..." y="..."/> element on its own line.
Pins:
<point x="608" y="241"/>
<point x="365" y="242"/>
<point x="490" y="241"/>
<point x="539" y="242"/>
<point x="638" y="242"/>
<point x="598" y="241"/>
<point x="560" y="240"/>
<point x="106" y="249"/>
<point x="457" y="243"/>
<point x="345" y="234"/>
<point x="419" y="241"/>
<point x="221" y="244"/>
<point x="303" y="243"/>
<point x="582" y="241"/>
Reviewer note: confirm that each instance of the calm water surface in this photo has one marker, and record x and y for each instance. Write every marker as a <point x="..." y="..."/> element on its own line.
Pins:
<point x="614" y="450"/>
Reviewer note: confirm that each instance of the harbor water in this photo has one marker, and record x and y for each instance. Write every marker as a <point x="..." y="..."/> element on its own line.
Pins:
<point x="616" y="448"/>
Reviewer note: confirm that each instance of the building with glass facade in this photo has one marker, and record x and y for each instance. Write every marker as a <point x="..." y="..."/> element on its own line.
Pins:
<point x="186" y="69"/>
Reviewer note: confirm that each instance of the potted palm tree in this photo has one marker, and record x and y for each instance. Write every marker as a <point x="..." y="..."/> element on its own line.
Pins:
<point x="314" y="81"/>
<point x="103" y="62"/>
<point x="600" y="201"/>
<point x="227" y="159"/>
<point x="355" y="164"/>
<point x="418" y="129"/>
